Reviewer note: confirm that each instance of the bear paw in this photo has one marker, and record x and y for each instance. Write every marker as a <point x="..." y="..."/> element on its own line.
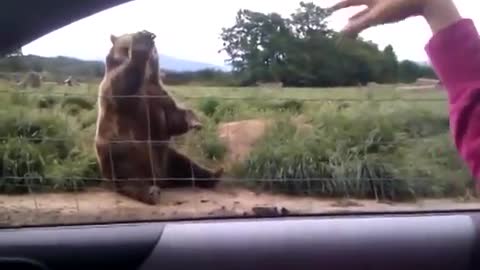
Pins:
<point x="142" y="45"/>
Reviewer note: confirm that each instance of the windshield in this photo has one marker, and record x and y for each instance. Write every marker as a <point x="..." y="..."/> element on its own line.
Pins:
<point x="261" y="109"/>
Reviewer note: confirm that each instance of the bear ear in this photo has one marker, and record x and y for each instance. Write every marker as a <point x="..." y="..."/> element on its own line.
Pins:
<point x="113" y="38"/>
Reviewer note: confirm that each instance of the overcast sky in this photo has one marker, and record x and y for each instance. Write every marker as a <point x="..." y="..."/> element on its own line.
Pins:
<point x="189" y="29"/>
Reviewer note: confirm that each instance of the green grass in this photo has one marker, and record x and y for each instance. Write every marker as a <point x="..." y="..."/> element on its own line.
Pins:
<point x="377" y="143"/>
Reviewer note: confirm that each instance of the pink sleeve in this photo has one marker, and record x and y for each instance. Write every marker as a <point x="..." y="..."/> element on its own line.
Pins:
<point x="455" y="55"/>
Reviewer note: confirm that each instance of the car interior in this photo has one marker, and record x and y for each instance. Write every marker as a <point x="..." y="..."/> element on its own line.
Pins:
<point x="437" y="240"/>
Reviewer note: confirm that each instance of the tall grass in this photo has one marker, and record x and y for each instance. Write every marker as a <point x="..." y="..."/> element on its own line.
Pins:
<point x="41" y="148"/>
<point x="361" y="152"/>
<point x="395" y="150"/>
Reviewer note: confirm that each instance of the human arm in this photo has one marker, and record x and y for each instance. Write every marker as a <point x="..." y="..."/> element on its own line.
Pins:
<point x="455" y="55"/>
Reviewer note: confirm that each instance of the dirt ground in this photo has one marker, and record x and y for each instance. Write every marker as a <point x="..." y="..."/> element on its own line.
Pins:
<point x="103" y="206"/>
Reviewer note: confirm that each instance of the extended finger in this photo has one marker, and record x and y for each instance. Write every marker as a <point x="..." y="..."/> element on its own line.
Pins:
<point x="359" y="14"/>
<point x="359" y="23"/>
<point x="348" y="3"/>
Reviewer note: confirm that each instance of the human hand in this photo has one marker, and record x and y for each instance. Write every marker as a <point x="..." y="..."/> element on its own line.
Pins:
<point x="438" y="13"/>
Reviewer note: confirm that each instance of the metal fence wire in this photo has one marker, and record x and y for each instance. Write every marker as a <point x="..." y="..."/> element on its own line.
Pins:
<point x="367" y="143"/>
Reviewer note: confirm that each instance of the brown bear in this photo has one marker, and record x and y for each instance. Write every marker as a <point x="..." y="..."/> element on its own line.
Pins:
<point x="136" y="120"/>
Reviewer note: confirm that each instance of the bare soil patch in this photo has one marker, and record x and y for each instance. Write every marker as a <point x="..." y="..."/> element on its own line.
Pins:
<point x="99" y="205"/>
<point x="241" y="136"/>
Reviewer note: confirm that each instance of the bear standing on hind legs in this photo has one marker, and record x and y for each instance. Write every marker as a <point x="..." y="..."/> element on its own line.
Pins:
<point x="136" y="119"/>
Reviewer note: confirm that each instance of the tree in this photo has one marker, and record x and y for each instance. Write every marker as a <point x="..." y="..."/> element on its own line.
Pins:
<point x="409" y="71"/>
<point x="389" y="72"/>
<point x="309" y="19"/>
<point x="256" y="43"/>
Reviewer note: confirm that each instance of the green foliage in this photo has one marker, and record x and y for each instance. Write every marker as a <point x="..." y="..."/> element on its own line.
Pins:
<point x="435" y="168"/>
<point x="389" y="66"/>
<point x="83" y="103"/>
<point x="208" y="77"/>
<point x="19" y="98"/>
<point x="22" y="166"/>
<point x="309" y="19"/>
<point x="209" y="106"/>
<point x="87" y="118"/>
<point x="226" y="111"/>
<point x="74" y="105"/>
<point x="40" y="149"/>
<point x="360" y="152"/>
<point x="46" y="102"/>
<point x="410" y="71"/>
<point x="213" y="148"/>
<point x="293" y="106"/>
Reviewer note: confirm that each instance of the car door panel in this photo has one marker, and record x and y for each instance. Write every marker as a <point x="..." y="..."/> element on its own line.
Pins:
<point x="415" y="241"/>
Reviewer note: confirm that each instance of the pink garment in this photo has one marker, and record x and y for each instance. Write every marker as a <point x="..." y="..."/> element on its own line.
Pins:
<point x="455" y="56"/>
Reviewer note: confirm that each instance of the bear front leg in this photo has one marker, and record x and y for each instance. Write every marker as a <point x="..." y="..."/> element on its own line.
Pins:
<point x="140" y="191"/>
<point x="183" y="169"/>
<point x="128" y="167"/>
<point x="181" y="121"/>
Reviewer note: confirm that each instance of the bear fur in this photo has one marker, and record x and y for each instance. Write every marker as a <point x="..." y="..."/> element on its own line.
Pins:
<point x="136" y="120"/>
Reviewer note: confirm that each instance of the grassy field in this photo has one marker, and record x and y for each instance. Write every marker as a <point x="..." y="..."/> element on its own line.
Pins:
<point x="375" y="142"/>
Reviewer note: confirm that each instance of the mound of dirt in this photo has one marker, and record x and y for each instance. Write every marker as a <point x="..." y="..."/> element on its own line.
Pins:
<point x="240" y="137"/>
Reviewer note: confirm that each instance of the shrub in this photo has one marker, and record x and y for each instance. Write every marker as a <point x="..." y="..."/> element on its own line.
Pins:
<point x="38" y="127"/>
<point x="292" y="105"/>
<point x="209" y="106"/>
<point x="28" y="167"/>
<point x="46" y="102"/>
<point x="434" y="167"/>
<point x="40" y="152"/>
<point x="22" y="167"/>
<point x="226" y="111"/>
<point x="213" y="148"/>
<point x="74" y="173"/>
<point x="421" y="123"/>
<point x="88" y="119"/>
<point x="78" y="102"/>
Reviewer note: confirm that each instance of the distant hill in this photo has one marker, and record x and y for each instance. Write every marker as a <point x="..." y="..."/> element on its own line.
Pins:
<point x="175" y="64"/>
<point x="61" y="66"/>
<point x="57" y="68"/>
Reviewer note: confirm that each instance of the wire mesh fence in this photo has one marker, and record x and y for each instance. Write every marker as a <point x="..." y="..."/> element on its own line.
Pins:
<point x="381" y="144"/>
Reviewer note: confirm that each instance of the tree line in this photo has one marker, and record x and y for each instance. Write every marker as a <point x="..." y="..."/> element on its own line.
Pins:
<point x="302" y="50"/>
